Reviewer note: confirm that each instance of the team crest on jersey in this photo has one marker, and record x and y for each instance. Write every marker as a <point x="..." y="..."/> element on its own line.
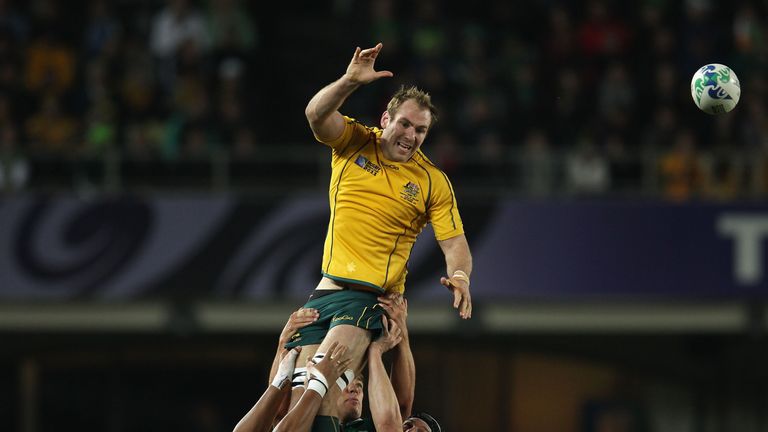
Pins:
<point x="410" y="192"/>
<point x="367" y="165"/>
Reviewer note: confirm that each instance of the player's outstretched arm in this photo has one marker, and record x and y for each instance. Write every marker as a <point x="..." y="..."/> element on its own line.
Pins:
<point x="262" y="415"/>
<point x="323" y="109"/>
<point x="458" y="260"/>
<point x="385" y="410"/>
<point x="321" y="376"/>
<point x="403" y="374"/>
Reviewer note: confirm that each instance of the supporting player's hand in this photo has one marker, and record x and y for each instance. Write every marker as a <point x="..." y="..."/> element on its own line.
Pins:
<point x="287" y="364"/>
<point x="461" y="298"/>
<point x="297" y="320"/>
<point x="360" y="69"/>
<point x="390" y="336"/>
<point x="333" y="364"/>
<point x="396" y="307"/>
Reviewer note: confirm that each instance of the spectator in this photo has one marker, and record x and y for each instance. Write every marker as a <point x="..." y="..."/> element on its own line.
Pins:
<point x="177" y="24"/>
<point x="586" y="170"/>
<point x="50" y="130"/>
<point x="681" y="169"/>
<point x="14" y="167"/>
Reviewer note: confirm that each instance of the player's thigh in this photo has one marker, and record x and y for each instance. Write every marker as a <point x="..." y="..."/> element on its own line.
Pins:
<point x="307" y="352"/>
<point x="356" y="340"/>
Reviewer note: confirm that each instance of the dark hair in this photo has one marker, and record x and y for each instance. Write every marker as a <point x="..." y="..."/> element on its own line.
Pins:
<point x="419" y="96"/>
<point x="429" y="420"/>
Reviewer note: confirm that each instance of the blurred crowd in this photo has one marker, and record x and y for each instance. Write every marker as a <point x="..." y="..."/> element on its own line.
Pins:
<point x="586" y="96"/>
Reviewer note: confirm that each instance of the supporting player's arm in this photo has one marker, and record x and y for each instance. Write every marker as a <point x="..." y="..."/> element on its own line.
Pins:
<point x="298" y="319"/>
<point x="403" y="375"/>
<point x="385" y="410"/>
<point x="262" y="415"/>
<point x="321" y="376"/>
<point x="458" y="260"/>
<point x="323" y="109"/>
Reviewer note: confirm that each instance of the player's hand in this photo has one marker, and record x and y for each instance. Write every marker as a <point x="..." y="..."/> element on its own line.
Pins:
<point x="396" y="307"/>
<point x="297" y="320"/>
<point x="461" y="298"/>
<point x="333" y="364"/>
<point x="360" y="69"/>
<point x="390" y="336"/>
<point x="287" y="364"/>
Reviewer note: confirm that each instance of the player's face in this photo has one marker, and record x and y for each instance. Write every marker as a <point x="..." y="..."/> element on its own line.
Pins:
<point x="414" y="424"/>
<point x="350" y="403"/>
<point x="404" y="133"/>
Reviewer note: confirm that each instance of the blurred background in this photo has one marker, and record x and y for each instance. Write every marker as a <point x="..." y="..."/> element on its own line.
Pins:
<point x="163" y="206"/>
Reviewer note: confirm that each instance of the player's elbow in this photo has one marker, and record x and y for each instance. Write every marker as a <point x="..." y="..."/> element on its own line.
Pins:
<point x="389" y="426"/>
<point x="313" y="117"/>
<point x="406" y="407"/>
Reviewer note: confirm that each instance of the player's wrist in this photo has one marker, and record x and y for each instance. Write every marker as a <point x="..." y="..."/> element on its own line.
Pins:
<point x="460" y="275"/>
<point x="350" y="81"/>
<point x="375" y="349"/>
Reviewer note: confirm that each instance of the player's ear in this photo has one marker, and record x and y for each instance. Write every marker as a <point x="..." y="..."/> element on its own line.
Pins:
<point x="384" y="119"/>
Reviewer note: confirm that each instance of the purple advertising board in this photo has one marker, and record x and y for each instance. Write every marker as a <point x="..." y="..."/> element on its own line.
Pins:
<point x="225" y="247"/>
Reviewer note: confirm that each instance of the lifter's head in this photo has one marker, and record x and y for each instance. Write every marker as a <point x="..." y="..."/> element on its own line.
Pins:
<point x="421" y="422"/>
<point x="350" y="403"/>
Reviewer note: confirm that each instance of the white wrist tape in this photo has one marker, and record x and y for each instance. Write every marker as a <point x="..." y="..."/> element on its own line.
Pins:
<point x="285" y="370"/>
<point x="318" y="383"/>
<point x="344" y="379"/>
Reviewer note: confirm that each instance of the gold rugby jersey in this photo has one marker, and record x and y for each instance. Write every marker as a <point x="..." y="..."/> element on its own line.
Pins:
<point x="378" y="208"/>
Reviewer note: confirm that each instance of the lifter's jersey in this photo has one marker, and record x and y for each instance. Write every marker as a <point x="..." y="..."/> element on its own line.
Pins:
<point x="378" y="208"/>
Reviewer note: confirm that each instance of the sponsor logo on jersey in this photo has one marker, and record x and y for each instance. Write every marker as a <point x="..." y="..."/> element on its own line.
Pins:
<point x="410" y="192"/>
<point x="367" y="165"/>
<point x="343" y="318"/>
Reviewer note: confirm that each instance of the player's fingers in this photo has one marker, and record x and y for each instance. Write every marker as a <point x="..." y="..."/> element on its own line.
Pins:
<point x="445" y="282"/>
<point x="395" y="331"/>
<point x="385" y="300"/>
<point x="456" y="299"/>
<point x="305" y="312"/>
<point x="332" y="349"/>
<point x="356" y="55"/>
<point x="344" y="364"/>
<point x="384" y="74"/>
<point x="340" y="351"/>
<point x="368" y="52"/>
<point x="467" y="307"/>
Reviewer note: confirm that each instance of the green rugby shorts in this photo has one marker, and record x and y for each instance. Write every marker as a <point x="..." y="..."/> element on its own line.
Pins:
<point x="338" y="307"/>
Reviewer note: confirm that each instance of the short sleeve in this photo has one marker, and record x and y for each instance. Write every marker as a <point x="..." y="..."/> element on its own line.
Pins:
<point x="353" y="132"/>
<point x="443" y="209"/>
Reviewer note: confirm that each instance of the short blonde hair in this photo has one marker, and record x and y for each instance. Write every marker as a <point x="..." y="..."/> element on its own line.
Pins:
<point x="419" y="96"/>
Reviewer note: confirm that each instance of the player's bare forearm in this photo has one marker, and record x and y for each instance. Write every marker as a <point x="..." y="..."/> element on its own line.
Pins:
<point x="300" y="417"/>
<point x="458" y="261"/>
<point x="262" y="414"/>
<point x="385" y="410"/>
<point x="457" y="255"/>
<point x="323" y="109"/>
<point x="403" y="376"/>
